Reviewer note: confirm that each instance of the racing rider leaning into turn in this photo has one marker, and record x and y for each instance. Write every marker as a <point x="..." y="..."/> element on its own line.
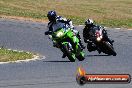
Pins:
<point x="54" y="19"/>
<point x="89" y="25"/>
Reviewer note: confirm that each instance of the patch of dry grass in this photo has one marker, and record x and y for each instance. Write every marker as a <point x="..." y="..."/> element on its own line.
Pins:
<point x="10" y="55"/>
<point x="107" y="12"/>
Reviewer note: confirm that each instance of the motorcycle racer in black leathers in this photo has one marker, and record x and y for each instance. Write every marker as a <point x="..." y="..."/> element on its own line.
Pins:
<point x="89" y="26"/>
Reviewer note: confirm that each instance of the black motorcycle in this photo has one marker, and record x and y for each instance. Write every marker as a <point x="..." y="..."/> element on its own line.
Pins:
<point x="100" y="43"/>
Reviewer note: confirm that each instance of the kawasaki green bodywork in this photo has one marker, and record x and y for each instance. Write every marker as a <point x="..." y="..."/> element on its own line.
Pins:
<point x="61" y="36"/>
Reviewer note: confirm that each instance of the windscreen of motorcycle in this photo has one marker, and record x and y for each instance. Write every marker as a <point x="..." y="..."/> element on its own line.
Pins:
<point x="94" y="30"/>
<point x="59" y="25"/>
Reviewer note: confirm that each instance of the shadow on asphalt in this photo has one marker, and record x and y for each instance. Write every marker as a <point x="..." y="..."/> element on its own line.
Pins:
<point x="85" y="56"/>
<point x="56" y="61"/>
<point x="95" y="55"/>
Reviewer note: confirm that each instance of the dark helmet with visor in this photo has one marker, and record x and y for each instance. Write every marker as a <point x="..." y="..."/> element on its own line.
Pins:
<point x="51" y="15"/>
<point x="89" y="22"/>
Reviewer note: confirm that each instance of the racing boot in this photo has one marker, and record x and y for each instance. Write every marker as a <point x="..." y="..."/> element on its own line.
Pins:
<point x="99" y="51"/>
<point x="112" y="41"/>
<point x="91" y="47"/>
<point x="55" y="44"/>
<point x="64" y="55"/>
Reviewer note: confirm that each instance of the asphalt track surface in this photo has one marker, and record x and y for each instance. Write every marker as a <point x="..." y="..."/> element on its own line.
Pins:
<point x="54" y="71"/>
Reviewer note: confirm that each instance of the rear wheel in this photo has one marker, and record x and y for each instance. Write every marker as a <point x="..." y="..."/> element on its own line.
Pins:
<point x="69" y="54"/>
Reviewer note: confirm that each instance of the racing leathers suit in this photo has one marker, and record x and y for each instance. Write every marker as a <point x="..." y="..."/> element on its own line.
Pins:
<point x="88" y="31"/>
<point x="60" y="22"/>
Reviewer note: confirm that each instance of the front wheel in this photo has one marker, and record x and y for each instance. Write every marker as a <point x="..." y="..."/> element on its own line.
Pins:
<point x="110" y="49"/>
<point x="81" y="55"/>
<point x="68" y="52"/>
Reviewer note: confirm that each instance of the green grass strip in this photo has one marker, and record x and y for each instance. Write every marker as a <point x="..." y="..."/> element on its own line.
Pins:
<point x="113" y="13"/>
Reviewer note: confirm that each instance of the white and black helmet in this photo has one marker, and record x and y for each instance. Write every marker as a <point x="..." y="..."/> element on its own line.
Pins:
<point x="89" y="22"/>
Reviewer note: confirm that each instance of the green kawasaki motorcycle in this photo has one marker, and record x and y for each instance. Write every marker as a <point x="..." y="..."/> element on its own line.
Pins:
<point x="67" y="41"/>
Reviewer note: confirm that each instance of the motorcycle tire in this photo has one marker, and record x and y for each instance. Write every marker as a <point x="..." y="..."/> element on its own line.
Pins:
<point x="80" y="57"/>
<point x="110" y="49"/>
<point x="69" y="54"/>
